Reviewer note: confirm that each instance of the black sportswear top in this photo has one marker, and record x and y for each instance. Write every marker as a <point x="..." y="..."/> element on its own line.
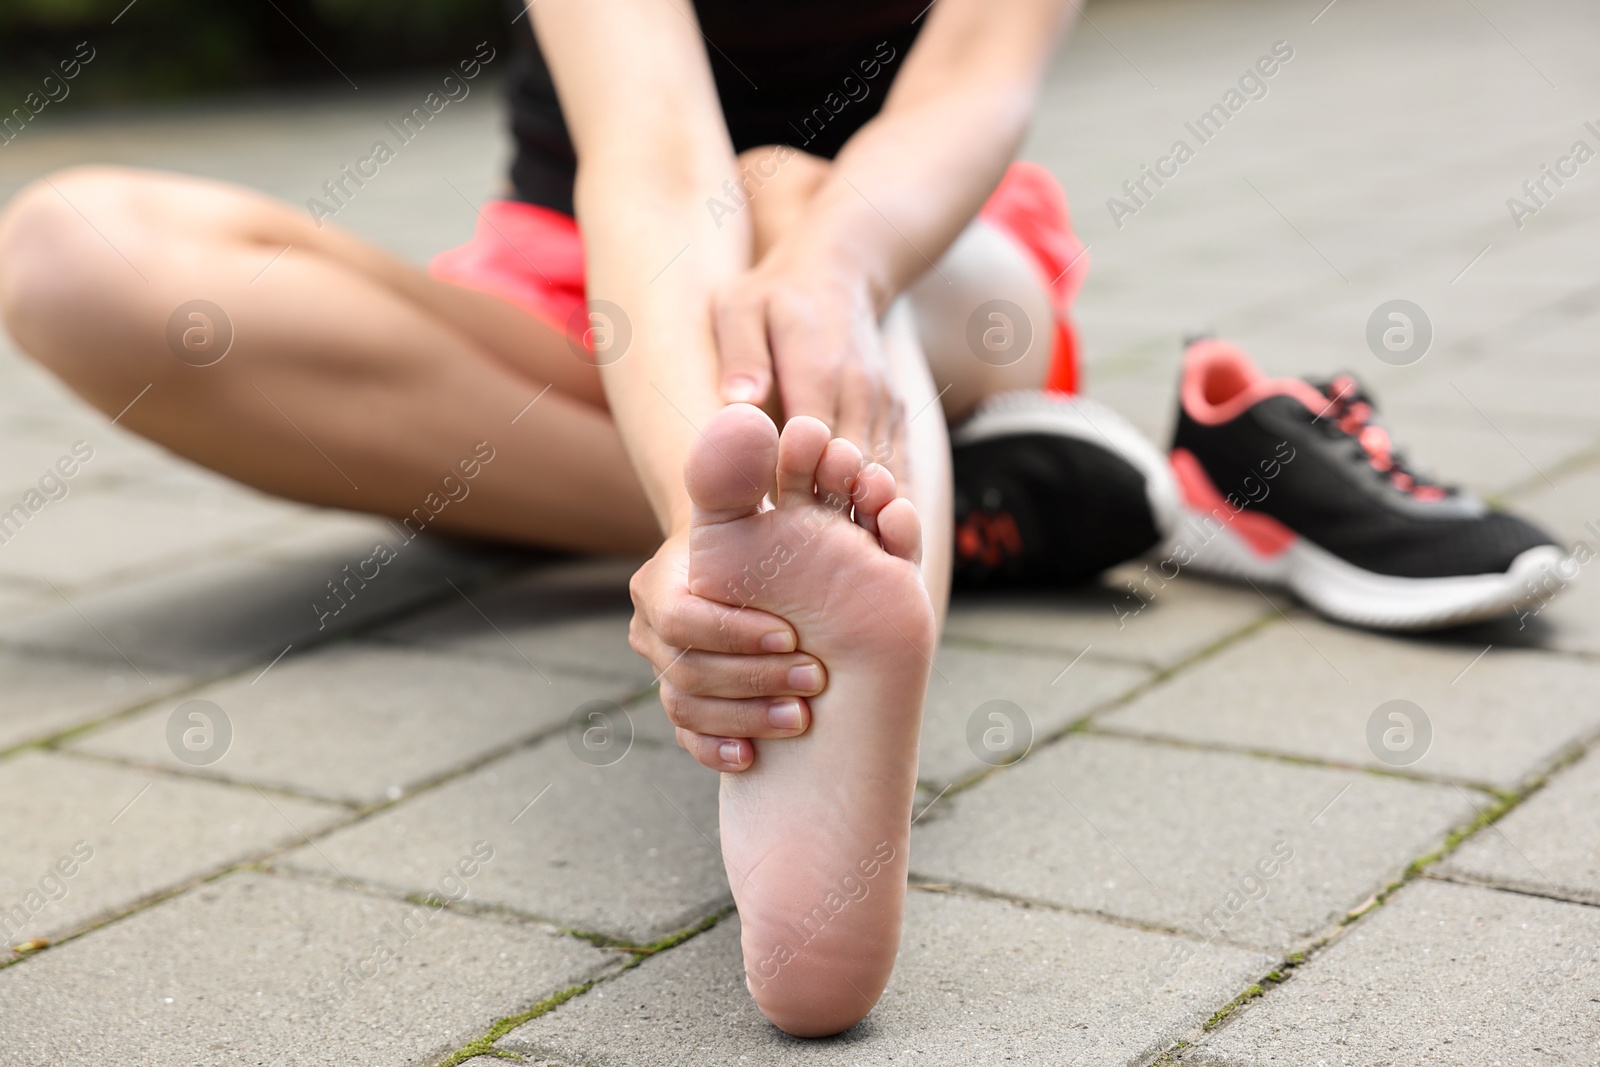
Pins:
<point x="806" y="73"/>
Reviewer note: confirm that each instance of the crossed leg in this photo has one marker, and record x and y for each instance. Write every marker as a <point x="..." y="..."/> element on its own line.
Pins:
<point x="354" y="380"/>
<point x="357" y="381"/>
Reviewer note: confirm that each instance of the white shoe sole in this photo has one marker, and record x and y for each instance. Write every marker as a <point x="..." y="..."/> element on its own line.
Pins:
<point x="1032" y="411"/>
<point x="1345" y="592"/>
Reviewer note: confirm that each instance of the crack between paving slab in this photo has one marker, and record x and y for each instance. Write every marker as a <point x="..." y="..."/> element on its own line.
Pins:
<point x="1518" y="889"/>
<point x="1576" y="463"/>
<point x="53" y="742"/>
<point x="363" y="808"/>
<point x="1284" y="309"/>
<point x="1223" y="748"/>
<point x="228" y="548"/>
<point x="982" y="644"/>
<point x="1417" y="868"/>
<point x="967" y="889"/>
<point x="175" y="774"/>
<point x="1271" y="312"/>
<point x="143" y="903"/>
<point x="355" y="634"/>
<point x="564" y="672"/>
<point x="260" y="861"/>
<point x="1080" y="725"/>
<point x="490" y="912"/>
<point x="1127" y="696"/>
<point x="484" y="1045"/>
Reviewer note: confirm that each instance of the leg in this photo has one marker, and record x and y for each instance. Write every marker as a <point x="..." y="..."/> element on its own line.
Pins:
<point x="354" y="379"/>
<point x="924" y="475"/>
<point x="984" y="264"/>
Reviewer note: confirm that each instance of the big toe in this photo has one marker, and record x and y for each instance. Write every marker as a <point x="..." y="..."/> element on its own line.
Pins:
<point x="732" y="464"/>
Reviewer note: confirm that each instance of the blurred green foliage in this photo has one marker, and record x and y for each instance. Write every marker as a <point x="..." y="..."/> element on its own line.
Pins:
<point x="167" y="48"/>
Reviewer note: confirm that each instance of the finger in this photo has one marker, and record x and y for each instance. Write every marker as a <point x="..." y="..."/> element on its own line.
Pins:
<point x="716" y="717"/>
<point x="804" y="351"/>
<point x="695" y="622"/>
<point x="712" y="674"/>
<point x="727" y="754"/>
<point x="887" y="420"/>
<point x="856" y="388"/>
<point x="741" y="333"/>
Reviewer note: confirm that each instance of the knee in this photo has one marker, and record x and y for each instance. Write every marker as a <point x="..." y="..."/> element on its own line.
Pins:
<point x="55" y="263"/>
<point x="781" y="164"/>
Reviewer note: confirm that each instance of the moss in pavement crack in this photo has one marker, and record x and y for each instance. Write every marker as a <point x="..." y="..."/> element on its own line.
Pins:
<point x="641" y="951"/>
<point x="1233" y="1005"/>
<point x="484" y="1046"/>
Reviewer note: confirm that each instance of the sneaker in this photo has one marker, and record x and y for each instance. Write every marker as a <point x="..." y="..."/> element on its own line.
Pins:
<point x="1054" y="489"/>
<point x="1297" y="484"/>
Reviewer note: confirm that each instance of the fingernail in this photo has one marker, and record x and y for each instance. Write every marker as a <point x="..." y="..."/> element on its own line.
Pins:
<point x="806" y="678"/>
<point x="777" y="641"/>
<point x="784" y="715"/>
<point x="729" y="751"/>
<point x="741" y="390"/>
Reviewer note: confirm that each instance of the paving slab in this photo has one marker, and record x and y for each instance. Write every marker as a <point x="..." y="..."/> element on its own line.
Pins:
<point x="45" y="695"/>
<point x="1154" y="623"/>
<point x="1550" y="845"/>
<point x="982" y="979"/>
<point x="222" y="613"/>
<point x="629" y="850"/>
<point x="1253" y="851"/>
<point x="90" y="536"/>
<point x="1489" y="391"/>
<point x="570" y="618"/>
<point x="124" y="834"/>
<point x="977" y="982"/>
<point x="986" y="706"/>
<point x="1309" y="688"/>
<point x="269" y="972"/>
<point x="1461" y="449"/>
<point x="360" y="722"/>
<point x="1566" y="611"/>
<point x="1442" y="974"/>
<point x="31" y="448"/>
<point x="18" y="597"/>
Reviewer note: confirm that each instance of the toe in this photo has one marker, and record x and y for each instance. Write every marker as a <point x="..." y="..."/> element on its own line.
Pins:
<point x="837" y="472"/>
<point x="731" y="464"/>
<point x="874" y="489"/>
<point x="900" y="530"/>
<point x="799" y="451"/>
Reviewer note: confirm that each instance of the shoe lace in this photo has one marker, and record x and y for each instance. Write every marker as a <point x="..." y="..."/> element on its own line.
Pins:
<point x="1350" y="413"/>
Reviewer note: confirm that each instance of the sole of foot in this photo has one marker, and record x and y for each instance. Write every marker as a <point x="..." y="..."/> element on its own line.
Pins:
<point x="815" y="835"/>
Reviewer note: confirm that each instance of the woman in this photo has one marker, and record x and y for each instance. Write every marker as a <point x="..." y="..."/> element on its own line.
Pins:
<point x="778" y="207"/>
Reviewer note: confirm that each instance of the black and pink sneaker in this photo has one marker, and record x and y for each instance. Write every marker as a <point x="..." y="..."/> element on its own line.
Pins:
<point x="1296" y="484"/>
<point x="1051" y="490"/>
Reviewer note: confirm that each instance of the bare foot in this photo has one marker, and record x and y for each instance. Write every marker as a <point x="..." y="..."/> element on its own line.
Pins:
<point x="815" y="835"/>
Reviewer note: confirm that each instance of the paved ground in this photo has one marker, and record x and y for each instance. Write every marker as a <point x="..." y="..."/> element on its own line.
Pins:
<point x="1202" y="858"/>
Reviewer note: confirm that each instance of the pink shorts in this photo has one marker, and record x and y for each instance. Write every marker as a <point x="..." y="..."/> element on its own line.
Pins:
<point x="533" y="257"/>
